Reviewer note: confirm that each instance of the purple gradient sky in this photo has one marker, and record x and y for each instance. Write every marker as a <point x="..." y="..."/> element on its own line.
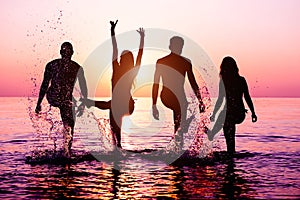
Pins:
<point x="263" y="36"/>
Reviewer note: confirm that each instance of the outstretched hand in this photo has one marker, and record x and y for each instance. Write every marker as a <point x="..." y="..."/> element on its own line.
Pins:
<point x="141" y="31"/>
<point x="80" y="109"/>
<point x="113" y="24"/>
<point x="155" y="112"/>
<point x="201" y="107"/>
<point x="212" y="118"/>
<point x="254" y="118"/>
<point x="38" y="109"/>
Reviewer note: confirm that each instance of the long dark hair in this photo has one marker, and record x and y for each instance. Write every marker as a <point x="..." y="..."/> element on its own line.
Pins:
<point x="126" y="61"/>
<point x="126" y="64"/>
<point x="229" y="70"/>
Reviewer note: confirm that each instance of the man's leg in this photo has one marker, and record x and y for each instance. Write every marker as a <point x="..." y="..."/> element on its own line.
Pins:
<point x="66" y="112"/>
<point x="177" y="133"/>
<point x="177" y="119"/>
<point x="184" y="122"/>
<point x="170" y="101"/>
<point x="179" y="114"/>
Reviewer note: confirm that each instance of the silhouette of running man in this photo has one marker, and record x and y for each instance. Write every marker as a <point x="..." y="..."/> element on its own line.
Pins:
<point x="235" y="88"/>
<point x="124" y="74"/>
<point x="172" y="69"/>
<point x="62" y="74"/>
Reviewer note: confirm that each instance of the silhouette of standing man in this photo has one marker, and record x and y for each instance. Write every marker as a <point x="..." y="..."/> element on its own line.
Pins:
<point x="61" y="74"/>
<point x="172" y="69"/>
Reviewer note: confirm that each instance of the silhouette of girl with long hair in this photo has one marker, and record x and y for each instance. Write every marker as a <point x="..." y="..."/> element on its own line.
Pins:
<point x="235" y="88"/>
<point x="124" y="74"/>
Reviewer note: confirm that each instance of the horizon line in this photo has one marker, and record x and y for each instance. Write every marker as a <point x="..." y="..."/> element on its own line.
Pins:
<point x="24" y="96"/>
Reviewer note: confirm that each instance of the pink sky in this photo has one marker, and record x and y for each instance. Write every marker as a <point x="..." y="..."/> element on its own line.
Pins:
<point x="263" y="36"/>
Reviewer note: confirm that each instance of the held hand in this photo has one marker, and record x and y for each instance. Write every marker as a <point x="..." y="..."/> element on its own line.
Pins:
<point x="155" y="112"/>
<point x="201" y="107"/>
<point x="87" y="102"/>
<point x="38" y="109"/>
<point x="113" y="24"/>
<point x="254" y="118"/>
<point x="80" y="109"/>
<point x="141" y="31"/>
<point x="212" y="118"/>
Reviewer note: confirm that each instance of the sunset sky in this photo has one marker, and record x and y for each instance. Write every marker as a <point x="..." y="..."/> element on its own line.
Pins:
<point x="263" y="36"/>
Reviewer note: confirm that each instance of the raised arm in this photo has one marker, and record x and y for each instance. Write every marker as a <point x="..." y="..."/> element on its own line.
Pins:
<point x="141" y="31"/>
<point x="249" y="101"/>
<point x="114" y="41"/>
<point x="195" y="88"/>
<point x="44" y="88"/>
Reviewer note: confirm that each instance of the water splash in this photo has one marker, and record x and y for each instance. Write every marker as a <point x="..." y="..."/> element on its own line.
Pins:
<point x="196" y="143"/>
<point x="50" y="132"/>
<point x="48" y="127"/>
<point x="92" y="134"/>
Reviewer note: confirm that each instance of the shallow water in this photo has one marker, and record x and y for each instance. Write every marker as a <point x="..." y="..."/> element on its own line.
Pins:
<point x="266" y="165"/>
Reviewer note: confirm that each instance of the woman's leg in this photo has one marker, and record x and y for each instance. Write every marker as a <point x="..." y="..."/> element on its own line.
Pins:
<point x="117" y="111"/>
<point x="229" y="133"/>
<point x="131" y="106"/>
<point x="115" y="125"/>
<point x="103" y="105"/>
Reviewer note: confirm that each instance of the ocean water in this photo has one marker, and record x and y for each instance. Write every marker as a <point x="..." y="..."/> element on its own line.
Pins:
<point x="267" y="164"/>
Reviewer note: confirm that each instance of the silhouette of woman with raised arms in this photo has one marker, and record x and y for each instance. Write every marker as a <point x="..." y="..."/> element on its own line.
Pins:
<point x="124" y="73"/>
<point x="235" y="88"/>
